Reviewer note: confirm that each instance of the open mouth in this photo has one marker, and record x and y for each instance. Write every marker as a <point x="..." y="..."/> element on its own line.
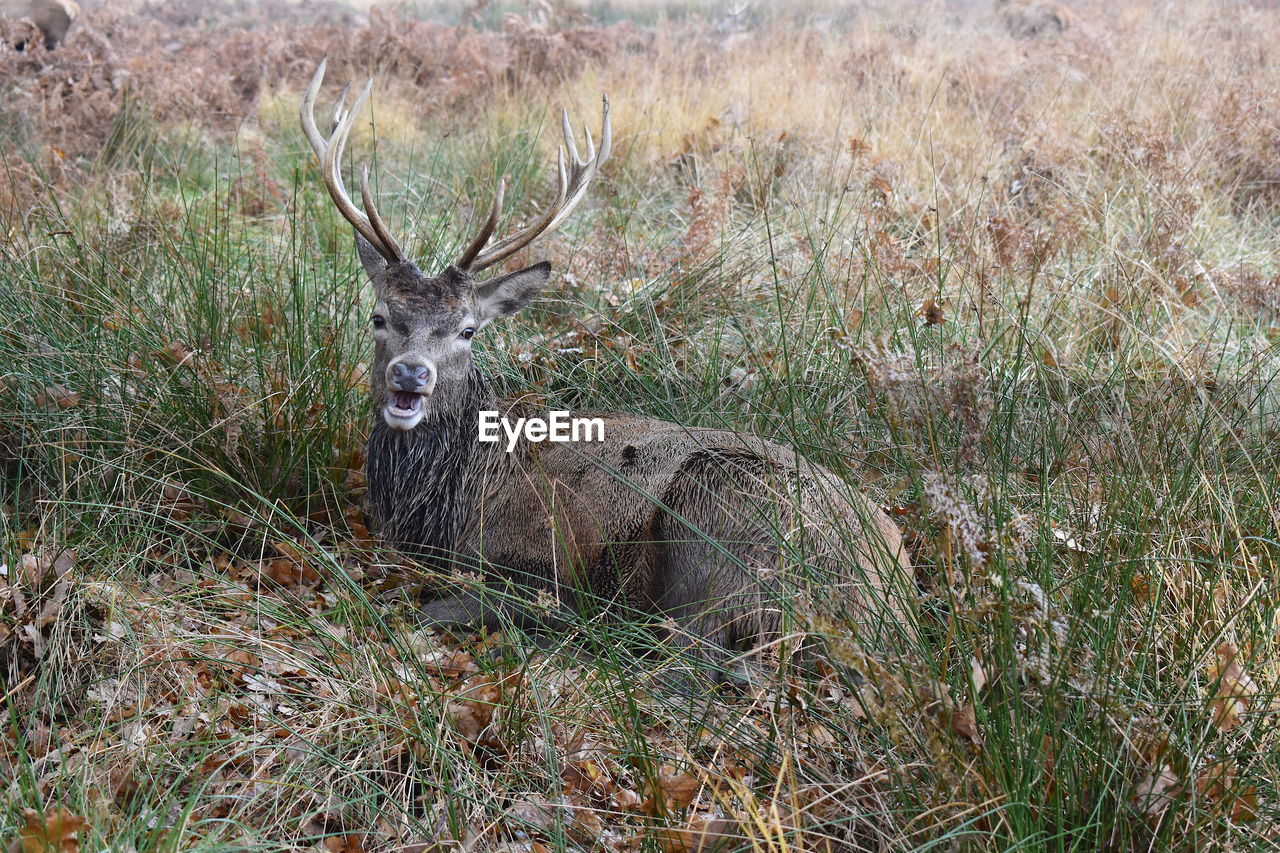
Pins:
<point x="404" y="404"/>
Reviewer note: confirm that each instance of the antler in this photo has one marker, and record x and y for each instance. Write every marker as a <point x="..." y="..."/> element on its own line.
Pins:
<point x="370" y="227"/>
<point x="570" y="191"/>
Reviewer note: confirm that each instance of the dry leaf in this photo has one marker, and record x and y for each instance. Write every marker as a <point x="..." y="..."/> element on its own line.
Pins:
<point x="932" y="312"/>
<point x="585" y="777"/>
<point x="44" y="832"/>
<point x="356" y="377"/>
<point x="1154" y="793"/>
<point x="57" y="397"/>
<point x="290" y="573"/>
<point x="344" y="843"/>
<point x="535" y="814"/>
<point x="979" y="675"/>
<point x="587" y="825"/>
<point x="673" y="791"/>
<point x="472" y="710"/>
<point x="1216" y="780"/>
<point x="1245" y="809"/>
<point x="964" y="722"/>
<point x="53" y="607"/>
<point x="176" y="354"/>
<point x="450" y="664"/>
<point x="1066" y="539"/>
<point x="37" y="571"/>
<point x="1234" y="688"/>
<point x="703" y="833"/>
<point x="626" y="800"/>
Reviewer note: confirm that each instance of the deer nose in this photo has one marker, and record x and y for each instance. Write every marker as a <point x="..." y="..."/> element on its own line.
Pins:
<point x="410" y="377"/>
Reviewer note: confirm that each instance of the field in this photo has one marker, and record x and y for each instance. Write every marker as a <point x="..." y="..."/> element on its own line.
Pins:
<point x="1024" y="293"/>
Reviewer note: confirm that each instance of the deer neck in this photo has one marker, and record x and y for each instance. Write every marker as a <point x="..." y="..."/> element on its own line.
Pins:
<point x="424" y="482"/>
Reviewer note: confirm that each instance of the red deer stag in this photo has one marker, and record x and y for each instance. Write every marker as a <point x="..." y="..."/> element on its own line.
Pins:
<point x="709" y="532"/>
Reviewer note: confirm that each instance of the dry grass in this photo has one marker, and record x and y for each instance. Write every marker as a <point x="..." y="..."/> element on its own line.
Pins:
<point x="1025" y="292"/>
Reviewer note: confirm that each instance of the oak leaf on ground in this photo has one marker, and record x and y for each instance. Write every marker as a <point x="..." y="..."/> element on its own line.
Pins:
<point x="48" y="831"/>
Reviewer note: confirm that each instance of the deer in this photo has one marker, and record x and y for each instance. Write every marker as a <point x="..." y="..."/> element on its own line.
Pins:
<point x="1026" y="19"/>
<point x="707" y="533"/>
<point x="52" y="17"/>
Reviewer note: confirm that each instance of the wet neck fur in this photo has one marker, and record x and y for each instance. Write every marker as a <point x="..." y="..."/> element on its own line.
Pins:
<point x="423" y="482"/>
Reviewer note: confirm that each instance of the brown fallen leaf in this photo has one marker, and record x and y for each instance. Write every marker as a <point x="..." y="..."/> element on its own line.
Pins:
<point x="702" y="834"/>
<point x="1154" y="793"/>
<point x="670" y="792"/>
<point x="38" y="571"/>
<point x="1245" y="809"/>
<point x="536" y="814"/>
<point x="356" y="377"/>
<point x="626" y="800"/>
<point x="587" y="777"/>
<point x="289" y="573"/>
<point x="1216" y="780"/>
<point x="964" y="722"/>
<point x="52" y="608"/>
<point x="451" y="664"/>
<point x="587" y="825"/>
<point x="932" y="312"/>
<point x="57" y="397"/>
<point x="1234" y="688"/>
<point x="45" y="832"/>
<point x="176" y="354"/>
<point x="979" y="675"/>
<point x="352" y="843"/>
<point x="472" y="710"/>
<point x="178" y="503"/>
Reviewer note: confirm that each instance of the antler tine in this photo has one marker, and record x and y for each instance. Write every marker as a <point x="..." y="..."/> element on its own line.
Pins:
<point x="567" y="129"/>
<point x="371" y="227"/>
<point x="486" y="230"/>
<point x="570" y="189"/>
<point x="375" y="218"/>
<point x="584" y="172"/>
<point x="339" y="113"/>
<point x="508" y="246"/>
<point x="591" y="144"/>
<point x="572" y="143"/>
<point x="308" y="112"/>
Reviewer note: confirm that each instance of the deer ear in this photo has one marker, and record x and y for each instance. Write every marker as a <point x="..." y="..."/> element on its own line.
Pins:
<point x="507" y="294"/>
<point x="370" y="258"/>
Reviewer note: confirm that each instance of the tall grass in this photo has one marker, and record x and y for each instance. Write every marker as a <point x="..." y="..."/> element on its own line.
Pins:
<point x="1021" y="293"/>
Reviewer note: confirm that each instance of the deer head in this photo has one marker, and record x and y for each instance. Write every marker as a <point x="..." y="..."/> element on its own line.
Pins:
<point x="423" y="325"/>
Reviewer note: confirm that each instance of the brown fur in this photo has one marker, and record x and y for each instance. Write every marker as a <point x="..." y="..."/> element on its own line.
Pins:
<point x="662" y="520"/>
<point x="53" y="17"/>
<point x="1034" y="18"/>
<point x="715" y="534"/>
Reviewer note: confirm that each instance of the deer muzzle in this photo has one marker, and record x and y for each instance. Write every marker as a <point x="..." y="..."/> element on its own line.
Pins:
<point x="409" y="383"/>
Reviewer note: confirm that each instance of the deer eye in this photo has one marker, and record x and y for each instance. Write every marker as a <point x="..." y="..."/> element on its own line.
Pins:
<point x="379" y="322"/>
<point x="468" y="333"/>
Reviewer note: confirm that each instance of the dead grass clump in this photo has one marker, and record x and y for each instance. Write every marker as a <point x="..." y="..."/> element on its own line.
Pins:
<point x="923" y="402"/>
<point x="1256" y="293"/>
<point x="59" y="106"/>
<point x="710" y="206"/>
<point x="174" y="67"/>
<point x="1246" y="151"/>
